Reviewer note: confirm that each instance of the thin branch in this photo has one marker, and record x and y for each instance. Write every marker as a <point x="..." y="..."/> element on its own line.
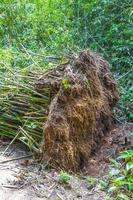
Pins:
<point x="18" y="158"/>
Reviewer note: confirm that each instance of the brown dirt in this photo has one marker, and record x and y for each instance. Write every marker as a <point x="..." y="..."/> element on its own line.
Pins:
<point x="26" y="180"/>
<point x="120" y="138"/>
<point x="80" y="113"/>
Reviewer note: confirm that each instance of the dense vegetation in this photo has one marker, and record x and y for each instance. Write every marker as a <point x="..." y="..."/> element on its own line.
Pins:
<point x="31" y="29"/>
<point x="32" y="32"/>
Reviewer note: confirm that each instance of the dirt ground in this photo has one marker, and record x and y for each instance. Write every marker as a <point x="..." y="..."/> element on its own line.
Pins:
<point x="27" y="180"/>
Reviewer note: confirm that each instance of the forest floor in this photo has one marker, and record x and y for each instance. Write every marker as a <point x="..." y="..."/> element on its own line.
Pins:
<point x="27" y="180"/>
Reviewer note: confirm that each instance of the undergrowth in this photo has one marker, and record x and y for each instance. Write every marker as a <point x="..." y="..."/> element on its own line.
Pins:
<point x="30" y="30"/>
<point x="64" y="178"/>
<point x="119" y="182"/>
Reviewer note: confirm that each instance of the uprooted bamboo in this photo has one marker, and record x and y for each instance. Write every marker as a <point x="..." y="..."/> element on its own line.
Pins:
<point x="23" y="109"/>
<point x="72" y="101"/>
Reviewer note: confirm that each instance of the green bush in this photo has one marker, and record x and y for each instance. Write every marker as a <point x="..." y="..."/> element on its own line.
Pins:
<point x="29" y="30"/>
<point x="120" y="179"/>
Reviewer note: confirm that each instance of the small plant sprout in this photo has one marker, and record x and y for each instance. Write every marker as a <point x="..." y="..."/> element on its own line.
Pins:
<point x="65" y="83"/>
<point x="64" y="178"/>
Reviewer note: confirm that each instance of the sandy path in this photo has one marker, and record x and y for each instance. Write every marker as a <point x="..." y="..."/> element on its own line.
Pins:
<point x="8" y="176"/>
<point x="21" y="181"/>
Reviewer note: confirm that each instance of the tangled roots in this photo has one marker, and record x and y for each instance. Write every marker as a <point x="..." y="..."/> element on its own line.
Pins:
<point x="83" y="94"/>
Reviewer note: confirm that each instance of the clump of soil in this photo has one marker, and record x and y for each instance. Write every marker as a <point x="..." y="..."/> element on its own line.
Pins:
<point x="83" y="94"/>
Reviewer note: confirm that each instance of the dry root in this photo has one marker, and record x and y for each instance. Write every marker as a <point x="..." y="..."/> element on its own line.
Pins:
<point x="83" y="94"/>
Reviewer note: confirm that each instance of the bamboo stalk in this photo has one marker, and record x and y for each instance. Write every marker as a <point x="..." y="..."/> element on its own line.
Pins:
<point x="22" y="108"/>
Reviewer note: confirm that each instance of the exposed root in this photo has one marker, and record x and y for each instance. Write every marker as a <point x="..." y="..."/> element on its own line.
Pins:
<point x="83" y="94"/>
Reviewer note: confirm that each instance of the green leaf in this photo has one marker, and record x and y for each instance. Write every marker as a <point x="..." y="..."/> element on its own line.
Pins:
<point x="115" y="163"/>
<point x="130" y="115"/>
<point x="112" y="189"/>
<point x="129" y="166"/>
<point x="126" y="154"/>
<point x="123" y="183"/>
<point x="121" y="178"/>
<point x="123" y="196"/>
<point x="114" y="172"/>
<point x="130" y="179"/>
<point x="103" y="184"/>
<point x="130" y="187"/>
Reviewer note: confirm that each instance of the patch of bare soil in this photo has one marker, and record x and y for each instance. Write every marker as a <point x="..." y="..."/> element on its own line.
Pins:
<point x="25" y="179"/>
<point x="120" y="138"/>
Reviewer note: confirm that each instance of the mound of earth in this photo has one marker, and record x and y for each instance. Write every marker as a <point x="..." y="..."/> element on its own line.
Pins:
<point x="83" y="94"/>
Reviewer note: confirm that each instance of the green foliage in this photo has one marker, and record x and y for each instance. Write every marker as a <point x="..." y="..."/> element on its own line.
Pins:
<point x="126" y="101"/>
<point x="64" y="178"/>
<point x="65" y="84"/>
<point x="29" y="30"/>
<point x="120" y="178"/>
